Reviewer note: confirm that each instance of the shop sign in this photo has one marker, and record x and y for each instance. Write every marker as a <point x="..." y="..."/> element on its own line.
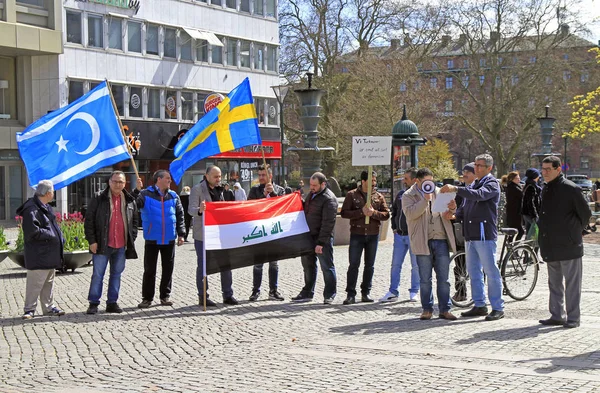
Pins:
<point x="272" y="151"/>
<point x="212" y="100"/>
<point x="127" y="4"/>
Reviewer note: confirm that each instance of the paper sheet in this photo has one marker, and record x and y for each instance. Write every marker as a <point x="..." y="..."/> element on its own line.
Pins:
<point x="440" y="205"/>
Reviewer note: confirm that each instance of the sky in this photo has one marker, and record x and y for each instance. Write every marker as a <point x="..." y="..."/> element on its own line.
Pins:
<point x="590" y="12"/>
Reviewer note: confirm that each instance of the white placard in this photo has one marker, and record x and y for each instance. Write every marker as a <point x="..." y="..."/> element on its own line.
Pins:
<point x="371" y="150"/>
<point x="440" y="205"/>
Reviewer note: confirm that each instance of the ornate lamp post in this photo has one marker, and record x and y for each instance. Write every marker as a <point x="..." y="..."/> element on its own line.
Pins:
<point x="280" y="92"/>
<point x="547" y="128"/>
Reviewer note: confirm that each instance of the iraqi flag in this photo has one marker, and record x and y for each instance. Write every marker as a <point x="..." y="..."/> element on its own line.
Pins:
<point x="240" y="234"/>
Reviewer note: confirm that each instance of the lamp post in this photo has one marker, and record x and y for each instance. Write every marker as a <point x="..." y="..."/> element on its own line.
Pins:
<point x="565" y="166"/>
<point x="469" y="141"/>
<point x="280" y="92"/>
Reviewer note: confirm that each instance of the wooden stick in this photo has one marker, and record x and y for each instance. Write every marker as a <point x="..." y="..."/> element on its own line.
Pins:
<point x="369" y="191"/>
<point x="204" y="278"/>
<point x="262" y="149"/>
<point x="112" y="98"/>
<point x="204" y="288"/>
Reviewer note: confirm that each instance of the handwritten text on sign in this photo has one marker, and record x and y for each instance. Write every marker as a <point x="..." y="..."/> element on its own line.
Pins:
<point x="371" y="150"/>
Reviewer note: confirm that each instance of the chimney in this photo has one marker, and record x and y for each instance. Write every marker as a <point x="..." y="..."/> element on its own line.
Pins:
<point x="564" y="30"/>
<point x="462" y="39"/>
<point x="446" y="39"/>
<point x="494" y="35"/>
<point x="407" y="40"/>
<point x="394" y="44"/>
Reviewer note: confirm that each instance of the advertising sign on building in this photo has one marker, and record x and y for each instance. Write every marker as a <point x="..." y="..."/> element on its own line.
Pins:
<point x="212" y="100"/>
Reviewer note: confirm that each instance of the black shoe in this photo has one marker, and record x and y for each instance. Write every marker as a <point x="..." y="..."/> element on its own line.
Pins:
<point x="92" y="309"/>
<point x="275" y="295"/>
<point x="495" y="315"/>
<point x="475" y="312"/>
<point x="350" y="300"/>
<point x="551" y="322"/>
<point x="113" y="307"/>
<point x="255" y="295"/>
<point x="231" y="301"/>
<point x="302" y="298"/>
<point x="366" y="299"/>
<point x="209" y="303"/>
<point x="571" y="324"/>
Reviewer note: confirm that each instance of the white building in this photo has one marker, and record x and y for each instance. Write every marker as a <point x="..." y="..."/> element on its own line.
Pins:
<point x="162" y="58"/>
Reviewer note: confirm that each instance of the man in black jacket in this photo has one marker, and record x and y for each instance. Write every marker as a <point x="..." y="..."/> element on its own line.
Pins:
<point x="564" y="214"/>
<point x="531" y="198"/>
<point x="43" y="249"/>
<point x="265" y="189"/>
<point x="320" y="208"/>
<point x="111" y="227"/>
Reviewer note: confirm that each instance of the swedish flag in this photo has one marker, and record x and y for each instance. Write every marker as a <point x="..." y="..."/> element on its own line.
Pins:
<point x="231" y="125"/>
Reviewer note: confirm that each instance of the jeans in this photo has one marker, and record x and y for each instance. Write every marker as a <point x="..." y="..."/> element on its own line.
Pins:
<point x="438" y="260"/>
<point x="309" y="265"/>
<point x="167" y="259"/>
<point x="226" y="276"/>
<point x="116" y="257"/>
<point x="257" y="274"/>
<point x="358" y="243"/>
<point x="401" y="247"/>
<point x="480" y="260"/>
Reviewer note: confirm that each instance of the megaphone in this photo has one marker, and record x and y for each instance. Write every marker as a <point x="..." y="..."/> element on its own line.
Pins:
<point x="428" y="186"/>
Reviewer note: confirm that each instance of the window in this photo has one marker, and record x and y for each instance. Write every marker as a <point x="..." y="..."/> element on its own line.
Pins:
<point x="75" y="90"/>
<point x="202" y="50"/>
<point x="448" y="106"/>
<point x="403" y="86"/>
<point x="271" y="8"/>
<point x="417" y="85"/>
<point x="39" y="3"/>
<point x="481" y="80"/>
<point x="259" y="57"/>
<point x="434" y="65"/>
<point x="466" y="63"/>
<point x="135" y="102"/>
<point x="272" y="118"/>
<point x="567" y="75"/>
<point x="95" y="31"/>
<point x="498" y="81"/>
<point x="74" y="27"/>
<point x="259" y="8"/>
<point x="115" y="33"/>
<point x="465" y="81"/>
<point x="217" y="53"/>
<point x="187" y="106"/>
<point x="585" y="76"/>
<point x="170" y="42"/>
<point x="134" y="37"/>
<point x="515" y="80"/>
<point x="450" y="64"/>
<point x="345" y="70"/>
<point x="515" y="60"/>
<point x="449" y="82"/>
<point x="245" y="5"/>
<point x="216" y="2"/>
<point x="419" y="66"/>
<point x="271" y="58"/>
<point x="232" y="49"/>
<point x="548" y="80"/>
<point x="433" y="83"/>
<point x="171" y="104"/>
<point x="117" y="92"/>
<point x="532" y="60"/>
<point x="482" y="62"/>
<point x="152" y="40"/>
<point x="531" y="102"/>
<point x="500" y="60"/>
<point x="93" y="85"/>
<point x="185" y="42"/>
<point x="245" y="54"/>
<point x="154" y="103"/>
<point x="565" y="57"/>
<point x="230" y="3"/>
<point x="260" y="110"/>
<point x="584" y="162"/>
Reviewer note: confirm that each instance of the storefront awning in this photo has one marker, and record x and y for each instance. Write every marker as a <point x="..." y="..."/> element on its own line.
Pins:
<point x="204" y="35"/>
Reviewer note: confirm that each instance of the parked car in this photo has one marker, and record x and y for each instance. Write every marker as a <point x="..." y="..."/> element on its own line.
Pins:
<point x="582" y="182"/>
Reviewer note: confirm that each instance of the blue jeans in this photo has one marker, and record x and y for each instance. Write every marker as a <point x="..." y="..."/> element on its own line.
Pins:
<point x="480" y="260"/>
<point x="401" y="247"/>
<point x="226" y="276"/>
<point x="116" y="256"/>
<point x="358" y="243"/>
<point x="438" y="260"/>
<point x="309" y="265"/>
<point x="257" y="274"/>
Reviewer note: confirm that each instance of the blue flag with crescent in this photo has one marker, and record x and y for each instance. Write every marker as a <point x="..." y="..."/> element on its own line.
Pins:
<point x="231" y="125"/>
<point x="74" y="141"/>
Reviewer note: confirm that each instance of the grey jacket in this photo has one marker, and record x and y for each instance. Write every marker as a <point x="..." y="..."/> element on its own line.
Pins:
<point x="199" y="194"/>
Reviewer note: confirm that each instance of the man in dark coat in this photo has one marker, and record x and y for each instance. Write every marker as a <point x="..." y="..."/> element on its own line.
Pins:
<point x="531" y="198"/>
<point x="43" y="242"/>
<point x="514" y="200"/>
<point x="111" y="227"/>
<point x="564" y="214"/>
<point x="228" y="194"/>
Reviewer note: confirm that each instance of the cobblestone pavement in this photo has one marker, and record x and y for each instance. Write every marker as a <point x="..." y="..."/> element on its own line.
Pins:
<point x="270" y="346"/>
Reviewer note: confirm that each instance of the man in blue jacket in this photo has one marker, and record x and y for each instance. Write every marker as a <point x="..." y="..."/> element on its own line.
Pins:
<point x="478" y="215"/>
<point x="163" y="223"/>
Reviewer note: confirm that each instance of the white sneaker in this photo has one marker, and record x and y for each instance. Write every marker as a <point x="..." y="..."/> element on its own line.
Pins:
<point x="389" y="297"/>
<point x="414" y="297"/>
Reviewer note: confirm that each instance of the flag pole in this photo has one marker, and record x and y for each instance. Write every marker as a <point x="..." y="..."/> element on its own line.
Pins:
<point x="112" y="98"/>
<point x="262" y="149"/>
<point x="204" y="261"/>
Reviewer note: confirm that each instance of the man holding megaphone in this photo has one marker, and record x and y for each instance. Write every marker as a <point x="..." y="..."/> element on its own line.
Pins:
<point x="431" y="239"/>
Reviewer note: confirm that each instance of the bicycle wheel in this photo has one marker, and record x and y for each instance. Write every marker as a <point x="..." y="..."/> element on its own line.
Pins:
<point x="520" y="272"/>
<point x="460" y="280"/>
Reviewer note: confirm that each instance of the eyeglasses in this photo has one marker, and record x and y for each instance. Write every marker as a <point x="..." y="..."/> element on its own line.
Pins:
<point x="548" y="169"/>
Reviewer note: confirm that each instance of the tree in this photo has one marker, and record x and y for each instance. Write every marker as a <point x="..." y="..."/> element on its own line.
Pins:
<point x="436" y="156"/>
<point x="585" y="118"/>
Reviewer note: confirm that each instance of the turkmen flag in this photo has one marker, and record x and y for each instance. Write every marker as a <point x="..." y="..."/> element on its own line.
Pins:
<point x="240" y="234"/>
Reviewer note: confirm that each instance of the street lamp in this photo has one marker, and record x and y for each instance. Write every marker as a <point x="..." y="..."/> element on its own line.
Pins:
<point x="469" y="141"/>
<point x="280" y="92"/>
<point x="565" y="166"/>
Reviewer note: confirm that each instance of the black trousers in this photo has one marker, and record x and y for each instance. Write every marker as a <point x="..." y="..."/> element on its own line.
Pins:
<point x="167" y="259"/>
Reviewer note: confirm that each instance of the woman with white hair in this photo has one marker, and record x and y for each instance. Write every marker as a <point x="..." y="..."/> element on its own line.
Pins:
<point x="239" y="192"/>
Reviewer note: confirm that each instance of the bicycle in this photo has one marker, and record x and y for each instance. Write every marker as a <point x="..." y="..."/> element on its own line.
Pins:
<point x="519" y="270"/>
